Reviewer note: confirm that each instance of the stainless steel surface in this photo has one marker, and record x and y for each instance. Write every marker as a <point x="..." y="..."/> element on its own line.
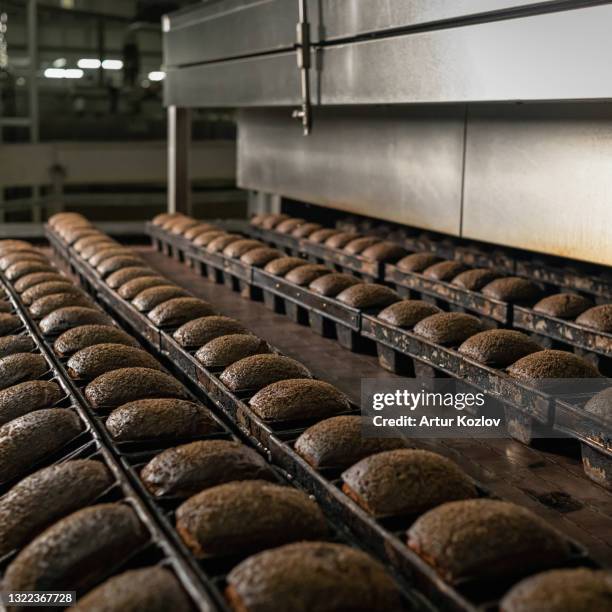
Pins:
<point x="401" y="164"/>
<point x="179" y="148"/>
<point x="539" y="177"/>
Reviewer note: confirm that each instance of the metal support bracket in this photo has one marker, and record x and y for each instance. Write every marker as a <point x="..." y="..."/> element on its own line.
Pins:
<point x="304" y="113"/>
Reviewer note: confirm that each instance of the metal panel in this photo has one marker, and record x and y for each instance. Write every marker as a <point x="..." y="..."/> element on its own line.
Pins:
<point x="398" y="164"/>
<point x="557" y="56"/>
<point x="538" y="177"/>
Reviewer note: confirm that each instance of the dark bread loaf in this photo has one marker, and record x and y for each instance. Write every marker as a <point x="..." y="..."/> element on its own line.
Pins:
<point x="552" y="364"/>
<point x="127" y="273"/>
<point x="106" y="252"/>
<point x="368" y="295"/>
<point x="9" y="245"/>
<point x="301" y="398"/>
<point x="407" y="313"/>
<point x="29" y="280"/>
<point x="162" y="218"/>
<point x="260" y="257"/>
<point x="130" y="289"/>
<point x="417" y="262"/>
<point x="177" y="311"/>
<point x="68" y="317"/>
<point x="40" y="290"/>
<point x="26" y="397"/>
<point x="160" y="419"/>
<point x="117" y="262"/>
<point x="171" y="220"/>
<point x="444" y="270"/>
<point x="512" y="289"/>
<point x="355" y="247"/>
<point x="9" y="323"/>
<point x="498" y="348"/>
<point x="190" y="468"/>
<point x="305" y="230"/>
<point x="31" y="437"/>
<point x="95" y="360"/>
<point x="338" y="443"/>
<point x="598" y="317"/>
<point x="601" y="404"/>
<point x="151" y="589"/>
<point x="225" y="350"/>
<point x="125" y="385"/>
<point x="485" y="538"/>
<point x="321" y="235"/>
<point x="340" y="239"/>
<point x="83" y="336"/>
<point x="200" y="331"/>
<point x="5" y="306"/>
<point x="39" y="500"/>
<point x="77" y="551"/>
<point x="288" y="225"/>
<point x="82" y="243"/>
<point x="8" y="260"/>
<point x="258" y="371"/>
<point x="330" y="285"/>
<point x="75" y="234"/>
<point x="205" y="238"/>
<point x="243" y="517"/>
<point x="28" y="266"/>
<point x="284" y="265"/>
<point x="9" y="345"/>
<point x="182" y="225"/>
<point x="448" y="328"/>
<point x="193" y="232"/>
<point x="256" y="220"/>
<point x="220" y="242"/>
<point x="91" y="249"/>
<point x="148" y="299"/>
<point x="476" y="279"/>
<point x="384" y="252"/>
<point x="307" y="576"/>
<point x="272" y="220"/>
<point x="304" y="275"/>
<point x="563" y="305"/>
<point x="405" y="482"/>
<point x="562" y="590"/>
<point x="49" y="303"/>
<point x="240" y="247"/>
<point x="20" y="367"/>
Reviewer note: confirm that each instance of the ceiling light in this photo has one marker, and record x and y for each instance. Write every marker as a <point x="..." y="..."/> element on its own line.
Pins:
<point x="73" y="73"/>
<point x="60" y="62"/>
<point x="112" y="64"/>
<point x="157" y="75"/>
<point x="54" y="73"/>
<point x="89" y="63"/>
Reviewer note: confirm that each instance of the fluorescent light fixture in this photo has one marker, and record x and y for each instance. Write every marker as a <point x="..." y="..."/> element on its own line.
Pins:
<point x="112" y="64"/>
<point x="157" y="75"/>
<point x="89" y="63"/>
<point x="54" y="73"/>
<point x="73" y="73"/>
<point x="60" y="62"/>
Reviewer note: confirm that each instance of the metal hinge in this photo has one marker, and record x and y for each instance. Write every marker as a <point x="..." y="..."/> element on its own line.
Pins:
<point x="304" y="113"/>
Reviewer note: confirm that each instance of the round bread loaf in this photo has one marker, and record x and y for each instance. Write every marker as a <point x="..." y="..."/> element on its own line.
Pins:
<point x="129" y="290"/>
<point x="6" y="261"/>
<point x="25" y="397"/>
<point x="9" y="323"/>
<point x="61" y="217"/>
<point x="30" y="295"/>
<point x="288" y="225"/>
<point x="177" y="311"/>
<point x="330" y="285"/>
<point x="149" y="298"/>
<point x="563" y="305"/>
<point x="220" y="242"/>
<point x="512" y="289"/>
<point x="9" y="345"/>
<point x="193" y="232"/>
<point x="258" y="371"/>
<point x="407" y="313"/>
<point x="305" y="230"/>
<point x="417" y="262"/>
<point x="307" y="576"/>
<point x="498" y="348"/>
<point x="19" y="367"/>
<point x="260" y="257"/>
<point x="72" y="316"/>
<point x="476" y="279"/>
<point x="125" y="385"/>
<point x="486" y="538"/>
<point x="355" y="247"/>
<point x="598" y="318"/>
<point x="29" y="438"/>
<point x="151" y="589"/>
<point x="321" y="235"/>
<point x="383" y="252"/>
<point x="180" y="227"/>
<point x="405" y="482"/>
<point x="200" y="331"/>
<point x="448" y="328"/>
<point x="190" y="468"/>
<point x="284" y="265"/>
<point x="95" y="360"/>
<point x="28" y="266"/>
<point x="205" y="238"/>
<point x="122" y="276"/>
<point x="29" y="280"/>
<point x="338" y="443"/>
<point x="240" y="247"/>
<point x="272" y="220"/>
<point x="552" y="364"/>
<point x="118" y="262"/>
<point x="444" y="270"/>
<point x="89" y="251"/>
<point x="46" y="496"/>
<point x="601" y="404"/>
<point x="160" y="419"/>
<point x="298" y="399"/>
<point x="561" y="590"/>
<point x="368" y="295"/>
<point x="247" y="516"/>
<point x="106" y="252"/>
<point x="49" y="303"/>
<point x="304" y="275"/>
<point x="83" y="336"/>
<point x="340" y="239"/>
<point x="225" y="350"/>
